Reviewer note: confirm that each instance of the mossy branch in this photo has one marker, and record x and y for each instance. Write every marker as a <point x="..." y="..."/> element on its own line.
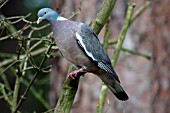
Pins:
<point x="123" y="33"/>
<point x="103" y="15"/>
<point x="70" y="86"/>
<point x="115" y="56"/>
<point x="128" y="20"/>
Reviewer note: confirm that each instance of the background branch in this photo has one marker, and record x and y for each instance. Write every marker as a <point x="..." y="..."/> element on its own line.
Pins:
<point x="116" y="54"/>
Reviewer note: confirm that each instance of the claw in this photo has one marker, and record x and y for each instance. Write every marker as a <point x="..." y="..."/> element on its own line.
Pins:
<point x="73" y="74"/>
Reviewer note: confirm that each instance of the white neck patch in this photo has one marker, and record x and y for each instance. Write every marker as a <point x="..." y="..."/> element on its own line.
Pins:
<point x="61" y="18"/>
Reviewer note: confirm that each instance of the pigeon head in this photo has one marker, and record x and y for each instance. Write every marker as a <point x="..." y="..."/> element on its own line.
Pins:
<point x="47" y="14"/>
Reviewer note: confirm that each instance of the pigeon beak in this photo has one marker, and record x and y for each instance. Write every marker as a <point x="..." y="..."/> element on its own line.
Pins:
<point x="39" y="20"/>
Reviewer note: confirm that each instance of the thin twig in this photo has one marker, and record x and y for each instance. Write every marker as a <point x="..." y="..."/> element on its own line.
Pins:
<point x="134" y="52"/>
<point x="13" y="59"/>
<point x="17" y="81"/>
<point x="49" y="110"/>
<point x="15" y="34"/>
<point x="6" y="82"/>
<point x="21" y="18"/>
<point x="37" y="95"/>
<point x="4" y="3"/>
<point x="142" y="8"/>
<point x="147" y="56"/>
<point x="27" y="52"/>
<point x="77" y="12"/>
<point x="122" y="33"/>
<point x="2" y="89"/>
<point x="115" y="56"/>
<point x="32" y="80"/>
<point x="16" y="61"/>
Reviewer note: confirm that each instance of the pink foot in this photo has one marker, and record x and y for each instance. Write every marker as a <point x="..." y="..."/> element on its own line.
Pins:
<point x="74" y="73"/>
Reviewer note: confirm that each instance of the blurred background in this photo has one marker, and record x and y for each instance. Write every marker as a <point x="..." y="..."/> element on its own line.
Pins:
<point x="147" y="81"/>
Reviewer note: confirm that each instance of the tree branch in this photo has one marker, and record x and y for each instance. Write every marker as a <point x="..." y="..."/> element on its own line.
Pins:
<point x="31" y="82"/>
<point x="147" y="56"/>
<point x="122" y="33"/>
<point x="142" y="8"/>
<point x="103" y="15"/>
<point x="115" y="56"/>
<point x="70" y="86"/>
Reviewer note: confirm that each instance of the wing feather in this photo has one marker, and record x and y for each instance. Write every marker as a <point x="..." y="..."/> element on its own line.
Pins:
<point x="90" y="43"/>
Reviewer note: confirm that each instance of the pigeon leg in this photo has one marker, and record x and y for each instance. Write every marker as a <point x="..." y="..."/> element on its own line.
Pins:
<point x="74" y="73"/>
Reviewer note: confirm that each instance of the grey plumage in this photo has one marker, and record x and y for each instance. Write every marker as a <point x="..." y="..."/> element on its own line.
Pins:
<point x="81" y="46"/>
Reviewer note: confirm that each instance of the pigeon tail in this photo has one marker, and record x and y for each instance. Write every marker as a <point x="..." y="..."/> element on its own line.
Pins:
<point x="115" y="87"/>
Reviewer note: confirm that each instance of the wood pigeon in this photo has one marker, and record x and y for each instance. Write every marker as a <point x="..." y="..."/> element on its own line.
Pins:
<point x="80" y="46"/>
